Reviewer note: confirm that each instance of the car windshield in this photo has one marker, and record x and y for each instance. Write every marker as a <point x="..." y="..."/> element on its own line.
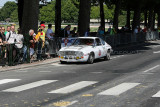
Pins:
<point x="83" y="41"/>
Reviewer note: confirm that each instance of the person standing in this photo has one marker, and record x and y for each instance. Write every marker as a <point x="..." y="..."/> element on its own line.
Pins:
<point x="41" y="41"/>
<point x="51" y="40"/>
<point x="8" y="30"/>
<point x="73" y="32"/>
<point x="32" y="43"/>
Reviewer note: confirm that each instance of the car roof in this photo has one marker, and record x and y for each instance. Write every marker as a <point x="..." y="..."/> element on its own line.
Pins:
<point x="88" y="37"/>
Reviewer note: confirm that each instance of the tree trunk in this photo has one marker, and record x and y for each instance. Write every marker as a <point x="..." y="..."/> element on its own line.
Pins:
<point x="150" y="18"/>
<point x="146" y="18"/>
<point x="20" y="11"/>
<point x="102" y="13"/>
<point x="158" y="18"/>
<point x="84" y="16"/>
<point x="58" y="17"/>
<point x="136" y="18"/>
<point x="128" y="17"/>
<point x="116" y="14"/>
<point x="154" y="17"/>
<point x="30" y="16"/>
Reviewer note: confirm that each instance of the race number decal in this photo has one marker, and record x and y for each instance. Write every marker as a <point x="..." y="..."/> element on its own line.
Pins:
<point x="66" y="41"/>
<point x="99" y="53"/>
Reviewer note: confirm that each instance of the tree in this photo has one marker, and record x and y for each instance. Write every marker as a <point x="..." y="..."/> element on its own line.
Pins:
<point x="20" y="11"/>
<point x="58" y="17"/>
<point x="7" y="9"/>
<point x="47" y="13"/>
<point x="14" y="16"/>
<point x="84" y="16"/>
<point x="30" y="16"/>
<point x="69" y="11"/>
<point x="102" y="13"/>
<point x="116" y="13"/>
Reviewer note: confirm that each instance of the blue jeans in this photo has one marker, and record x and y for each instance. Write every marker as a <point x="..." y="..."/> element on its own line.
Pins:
<point x="24" y="53"/>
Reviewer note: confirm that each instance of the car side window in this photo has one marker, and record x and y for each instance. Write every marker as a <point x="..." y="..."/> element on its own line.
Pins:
<point x="98" y="42"/>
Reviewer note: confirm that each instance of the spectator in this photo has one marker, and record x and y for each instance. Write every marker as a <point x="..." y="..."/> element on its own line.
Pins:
<point x="51" y="41"/>
<point x="19" y="39"/>
<point x="66" y="31"/>
<point x="8" y="30"/>
<point x="32" y="43"/>
<point x="109" y="29"/>
<point x="50" y="32"/>
<point x="73" y="32"/>
<point x="101" y="32"/>
<point x="2" y="35"/>
<point x="1" y="44"/>
<point x="41" y="41"/>
<point x="18" y="43"/>
<point x="87" y="33"/>
<point x="10" y="36"/>
<point x="113" y="31"/>
<point x="145" y="29"/>
<point x="136" y="30"/>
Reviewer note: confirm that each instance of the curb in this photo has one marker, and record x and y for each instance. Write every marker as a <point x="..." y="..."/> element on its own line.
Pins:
<point x="26" y="66"/>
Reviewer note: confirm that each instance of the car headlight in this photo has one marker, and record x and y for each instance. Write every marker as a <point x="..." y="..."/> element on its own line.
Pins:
<point x="61" y="53"/>
<point x="78" y="53"/>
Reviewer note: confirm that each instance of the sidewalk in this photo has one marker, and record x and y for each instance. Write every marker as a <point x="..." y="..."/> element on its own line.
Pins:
<point x="48" y="61"/>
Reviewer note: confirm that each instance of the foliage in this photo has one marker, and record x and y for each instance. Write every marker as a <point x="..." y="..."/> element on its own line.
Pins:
<point x="14" y="15"/>
<point x="95" y="12"/>
<point x="69" y="11"/>
<point x="47" y="13"/>
<point x="7" y="10"/>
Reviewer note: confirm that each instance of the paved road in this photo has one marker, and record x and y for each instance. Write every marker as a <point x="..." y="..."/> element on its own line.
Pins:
<point x="130" y="79"/>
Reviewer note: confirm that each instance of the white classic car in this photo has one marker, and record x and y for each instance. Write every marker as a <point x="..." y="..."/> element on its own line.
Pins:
<point x="85" y="49"/>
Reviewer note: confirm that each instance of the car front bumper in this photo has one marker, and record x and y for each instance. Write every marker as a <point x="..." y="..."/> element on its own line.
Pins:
<point x="74" y="59"/>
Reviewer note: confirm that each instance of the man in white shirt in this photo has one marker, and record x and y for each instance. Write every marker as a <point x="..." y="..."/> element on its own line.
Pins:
<point x="11" y="36"/>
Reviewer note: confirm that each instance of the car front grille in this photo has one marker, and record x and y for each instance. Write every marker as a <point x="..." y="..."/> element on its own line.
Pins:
<point x="70" y="53"/>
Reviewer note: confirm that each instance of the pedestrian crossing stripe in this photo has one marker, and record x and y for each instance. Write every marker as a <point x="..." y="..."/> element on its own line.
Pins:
<point x="117" y="90"/>
<point x="29" y="86"/>
<point x="74" y="87"/>
<point x="4" y="81"/>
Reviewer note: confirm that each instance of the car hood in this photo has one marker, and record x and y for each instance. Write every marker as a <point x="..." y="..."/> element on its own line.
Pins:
<point x="75" y="48"/>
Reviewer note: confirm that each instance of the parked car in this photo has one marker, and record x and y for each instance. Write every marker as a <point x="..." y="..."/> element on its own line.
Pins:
<point x="85" y="49"/>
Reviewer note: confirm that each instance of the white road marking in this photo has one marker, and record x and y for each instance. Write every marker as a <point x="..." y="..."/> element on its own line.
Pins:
<point x="73" y="102"/>
<point x="96" y="72"/>
<point x="156" y="52"/>
<point x="29" y="86"/>
<point x="21" y="71"/>
<point x="117" y="90"/>
<point x="157" y="94"/>
<point x="156" y="46"/>
<point x="44" y="71"/>
<point x="58" y="64"/>
<point x="73" y="87"/>
<point x="151" y="68"/>
<point x="8" y="80"/>
<point x="117" y="57"/>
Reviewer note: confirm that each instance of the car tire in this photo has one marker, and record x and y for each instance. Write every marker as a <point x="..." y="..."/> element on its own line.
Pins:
<point x="63" y="62"/>
<point x="108" y="56"/>
<point x="91" y="58"/>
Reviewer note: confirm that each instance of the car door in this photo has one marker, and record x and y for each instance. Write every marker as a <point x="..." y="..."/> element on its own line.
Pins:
<point x="99" y="49"/>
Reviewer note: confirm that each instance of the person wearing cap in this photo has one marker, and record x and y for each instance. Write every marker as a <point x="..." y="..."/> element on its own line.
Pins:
<point x="40" y="37"/>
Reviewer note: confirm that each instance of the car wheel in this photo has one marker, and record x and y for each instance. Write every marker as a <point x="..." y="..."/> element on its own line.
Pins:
<point x="63" y="62"/>
<point x="91" y="58"/>
<point x="108" y="56"/>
